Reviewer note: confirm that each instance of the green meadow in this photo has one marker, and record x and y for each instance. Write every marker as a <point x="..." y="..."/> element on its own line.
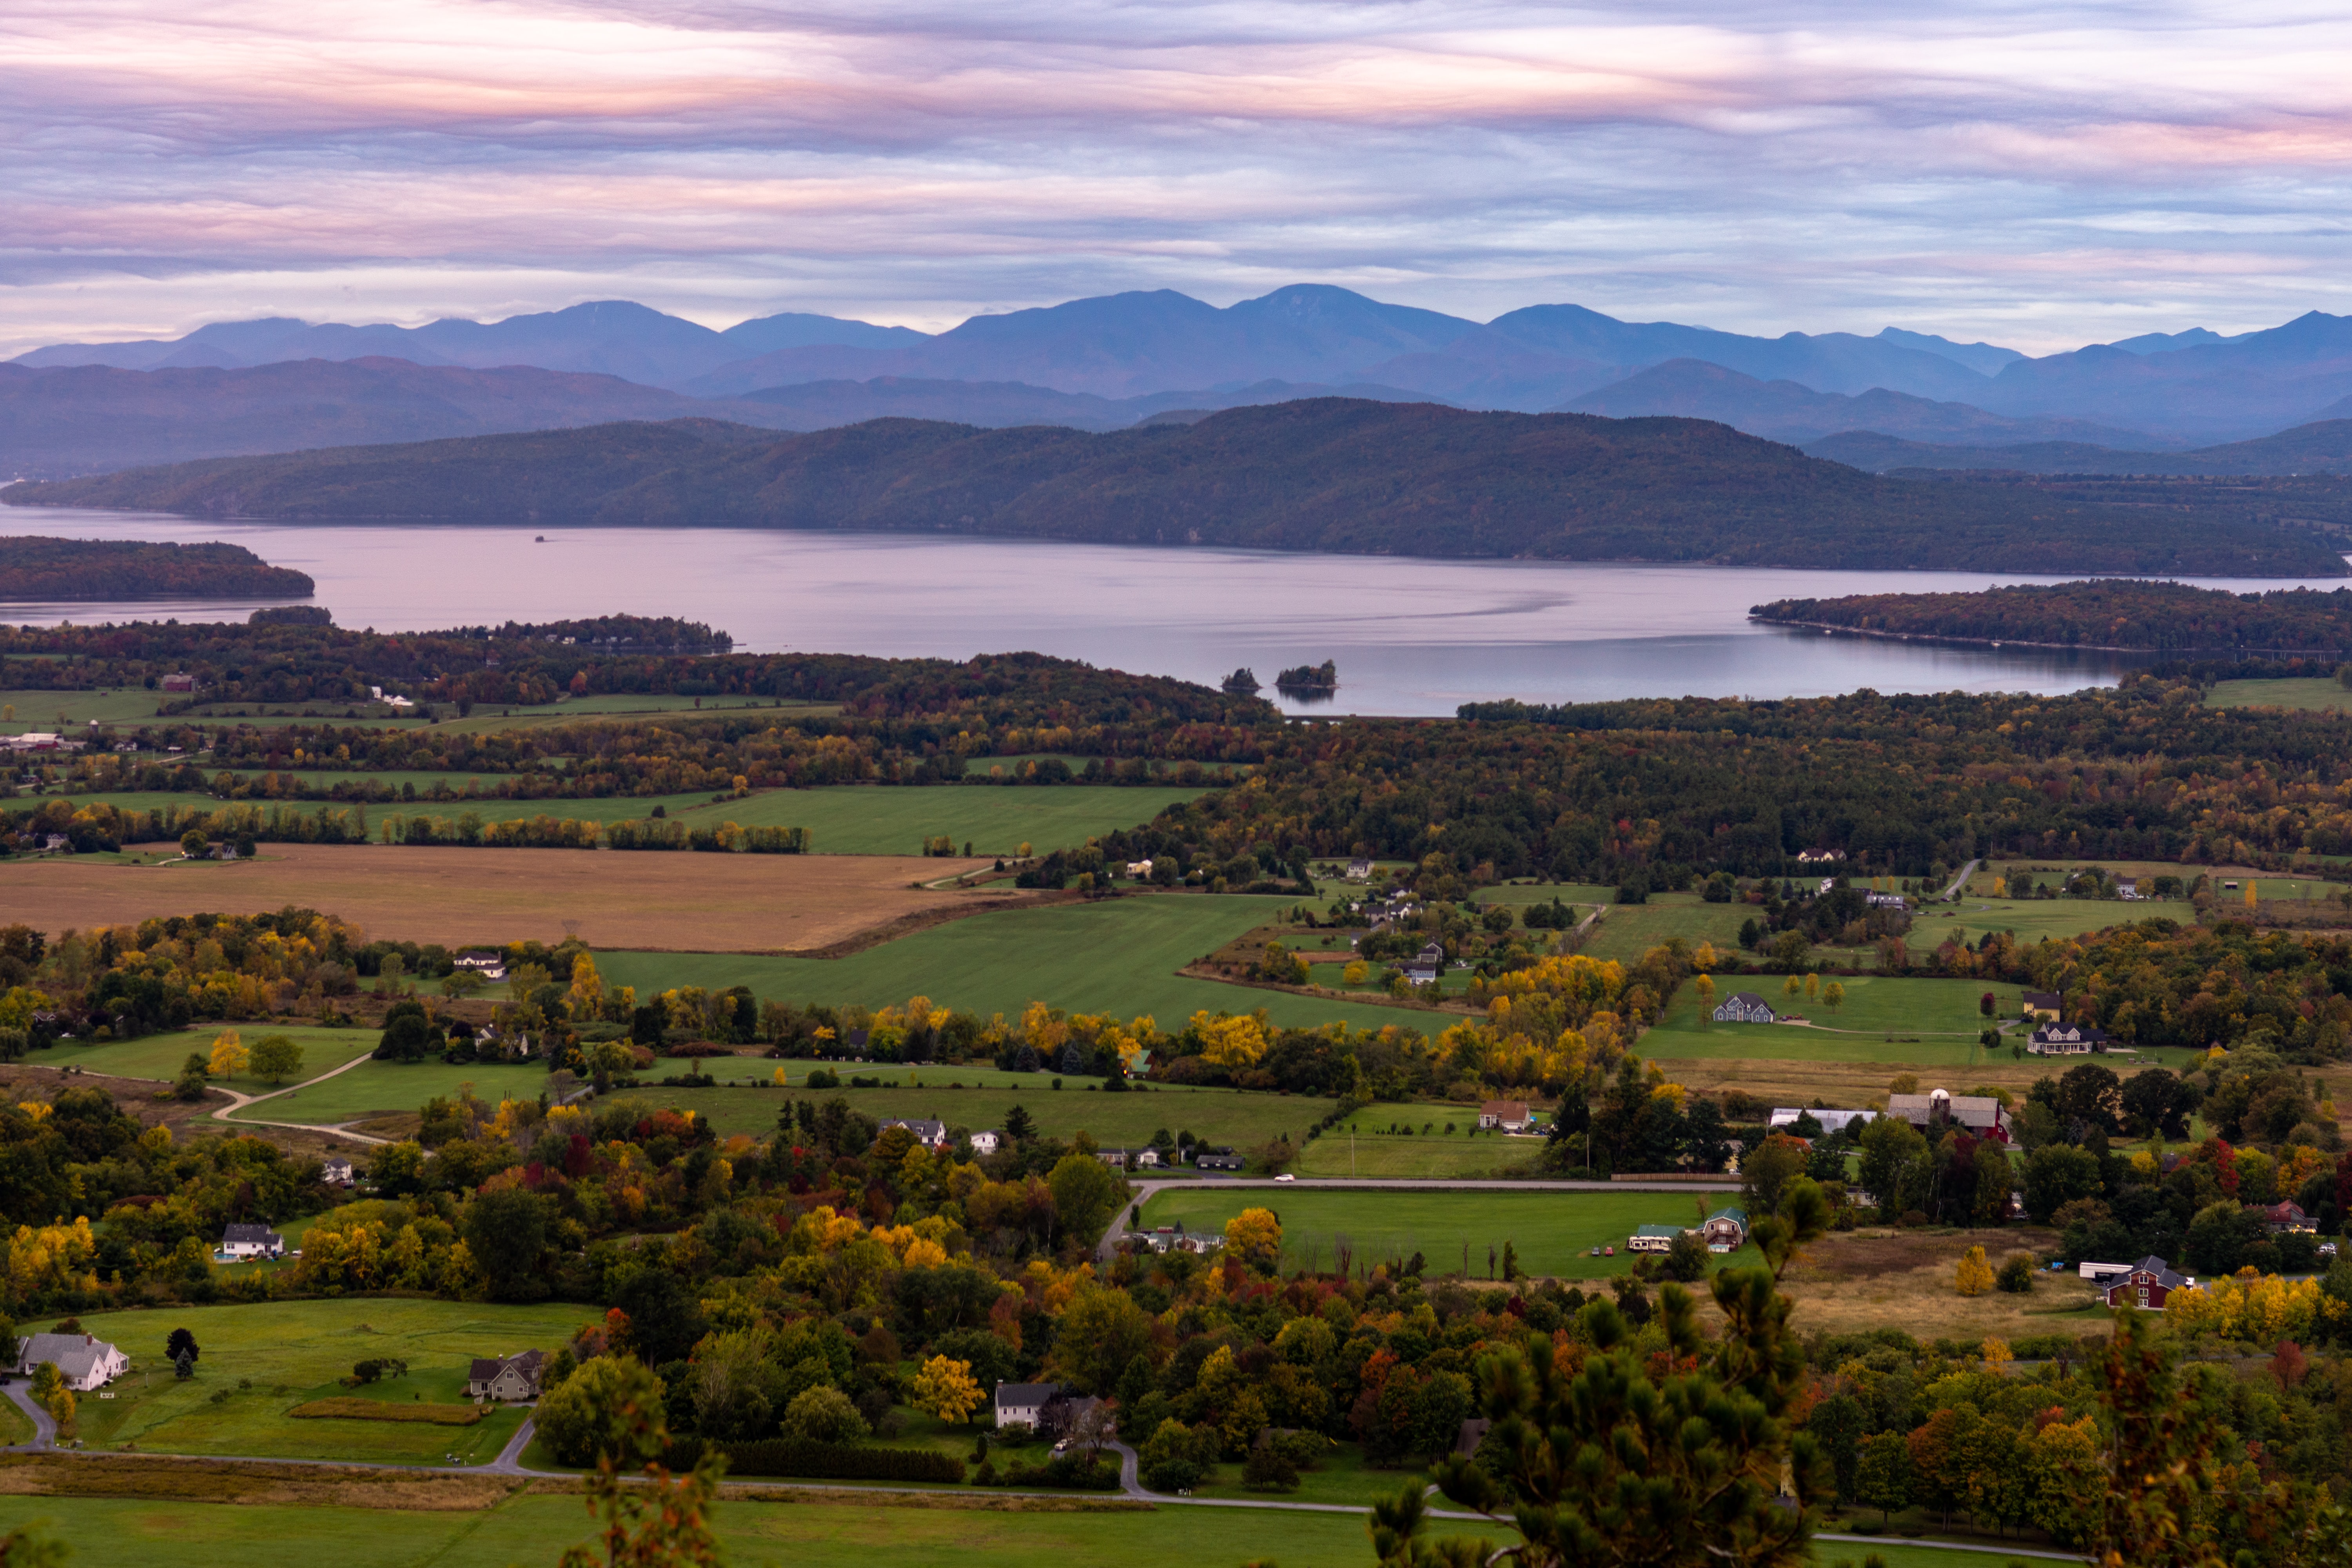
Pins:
<point x="1553" y="1233"/>
<point x="160" y="1055"/>
<point x="2310" y="694"/>
<point x="1117" y="956"/>
<point x="260" y="1361"/>
<point x="384" y="1089"/>
<point x="1114" y="1121"/>
<point x="1374" y="1151"/>
<point x="842" y="819"/>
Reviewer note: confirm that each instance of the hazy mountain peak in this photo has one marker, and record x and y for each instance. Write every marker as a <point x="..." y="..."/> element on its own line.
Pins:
<point x="1985" y="359"/>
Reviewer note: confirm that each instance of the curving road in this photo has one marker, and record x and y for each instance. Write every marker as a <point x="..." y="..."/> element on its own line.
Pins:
<point x="241" y="1101"/>
<point x="45" y="1426"/>
<point x="1142" y="1192"/>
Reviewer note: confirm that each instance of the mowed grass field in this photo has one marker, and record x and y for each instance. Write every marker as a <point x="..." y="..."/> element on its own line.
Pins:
<point x="1553" y="1233"/>
<point x="385" y="1088"/>
<point x="1120" y="955"/>
<point x="680" y="901"/>
<point x="1115" y="1121"/>
<point x="268" y="1358"/>
<point x="842" y="819"/>
<point x="160" y="1055"/>
<point x="123" y="1533"/>
<point x="2310" y="694"/>
<point x="1374" y="1151"/>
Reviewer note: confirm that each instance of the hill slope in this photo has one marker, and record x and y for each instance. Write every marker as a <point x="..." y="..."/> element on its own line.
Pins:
<point x="2165" y="617"/>
<point x="1325" y="474"/>
<point x="32" y="567"/>
<point x="2322" y="447"/>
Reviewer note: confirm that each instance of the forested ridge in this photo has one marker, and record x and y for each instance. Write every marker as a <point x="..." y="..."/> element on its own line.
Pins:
<point x="274" y="663"/>
<point x="2168" y="617"/>
<point x="1327" y="474"/>
<point x="37" y="567"/>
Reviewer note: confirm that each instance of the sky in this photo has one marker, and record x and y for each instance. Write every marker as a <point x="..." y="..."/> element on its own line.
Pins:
<point x="2041" y="176"/>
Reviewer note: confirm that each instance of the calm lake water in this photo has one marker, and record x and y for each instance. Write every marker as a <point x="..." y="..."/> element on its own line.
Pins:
<point x="1409" y="636"/>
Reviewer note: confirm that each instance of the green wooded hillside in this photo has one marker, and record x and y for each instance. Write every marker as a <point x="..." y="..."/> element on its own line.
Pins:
<point x="1326" y="474"/>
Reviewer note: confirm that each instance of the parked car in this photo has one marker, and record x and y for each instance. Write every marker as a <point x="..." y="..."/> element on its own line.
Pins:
<point x="1285" y="1176"/>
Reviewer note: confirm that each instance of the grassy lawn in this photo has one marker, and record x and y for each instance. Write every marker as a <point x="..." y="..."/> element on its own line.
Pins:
<point x="1553" y="1232"/>
<point x="111" y="1532"/>
<point x="1340" y="1476"/>
<point x="1119" y="956"/>
<point x="385" y="1088"/>
<point x="1942" y="1015"/>
<point x="866" y="819"/>
<point x="1629" y="931"/>
<point x="1223" y="1115"/>
<point x="37" y="710"/>
<point x="1516" y="895"/>
<point x="266" y="1359"/>
<point x="1377" y="1151"/>
<point x="160" y="1055"/>
<point x="843" y="819"/>
<point x="2309" y="693"/>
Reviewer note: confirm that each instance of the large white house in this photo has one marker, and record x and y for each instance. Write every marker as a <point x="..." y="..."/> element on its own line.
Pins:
<point x="83" y="1362"/>
<point x="1024" y="1403"/>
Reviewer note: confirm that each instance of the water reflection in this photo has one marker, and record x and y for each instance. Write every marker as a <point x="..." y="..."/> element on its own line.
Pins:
<point x="1409" y="636"/>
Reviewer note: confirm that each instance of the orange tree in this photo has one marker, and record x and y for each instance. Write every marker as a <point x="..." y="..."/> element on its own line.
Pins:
<point x="1672" y="1458"/>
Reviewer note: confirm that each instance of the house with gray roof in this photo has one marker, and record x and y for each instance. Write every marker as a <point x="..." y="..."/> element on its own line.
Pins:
<point x="85" y="1362"/>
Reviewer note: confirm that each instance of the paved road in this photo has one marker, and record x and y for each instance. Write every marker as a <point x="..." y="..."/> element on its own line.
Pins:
<point x="509" y="1460"/>
<point x="1143" y="1192"/>
<point x="1962" y="879"/>
<point x="44" y="1427"/>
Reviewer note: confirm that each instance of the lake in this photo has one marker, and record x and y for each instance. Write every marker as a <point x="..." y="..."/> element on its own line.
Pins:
<point x="1409" y="636"/>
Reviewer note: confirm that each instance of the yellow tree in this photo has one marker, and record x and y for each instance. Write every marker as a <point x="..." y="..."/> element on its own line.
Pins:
<point x="1974" y="1276"/>
<point x="229" y="1055"/>
<point x="2251" y="901"/>
<point x="1355" y="973"/>
<point x="1812" y="986"/>
<point x="1834" y="995"/>
<point x="586" y="997"/>
<point x="1255" y="1236"/>
<point x="1704" y="988"/>
<point x="1793" y="989"/>
<point x="945" y="1388"/>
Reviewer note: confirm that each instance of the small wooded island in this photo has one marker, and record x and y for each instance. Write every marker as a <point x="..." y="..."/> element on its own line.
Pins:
<point x="2128" y="613"/>
<point x="34" y="567"/>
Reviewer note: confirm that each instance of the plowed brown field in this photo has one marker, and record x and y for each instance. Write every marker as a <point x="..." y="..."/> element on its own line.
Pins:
<point x="680" y="901"/>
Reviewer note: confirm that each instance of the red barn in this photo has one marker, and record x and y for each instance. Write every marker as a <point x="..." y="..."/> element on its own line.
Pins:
<point x="2146" y="1285"/>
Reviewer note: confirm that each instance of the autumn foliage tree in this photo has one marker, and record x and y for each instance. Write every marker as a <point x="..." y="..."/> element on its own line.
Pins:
<point x="1632" y="1458"/>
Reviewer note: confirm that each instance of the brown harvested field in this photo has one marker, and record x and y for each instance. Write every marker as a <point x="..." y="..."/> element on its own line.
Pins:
<point x="681" y="902"/>
<point x="1847" y="1083"/>
<point x="1904" y="1279"/>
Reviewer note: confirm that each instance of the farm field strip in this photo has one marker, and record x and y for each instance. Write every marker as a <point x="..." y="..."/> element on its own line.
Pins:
<point x="266" y="1358"/>
<point x="842" y="819"/>
<point x="1552" y="1232"/>
<point x="671" y="901"/>
<point x="1117" y="956"/>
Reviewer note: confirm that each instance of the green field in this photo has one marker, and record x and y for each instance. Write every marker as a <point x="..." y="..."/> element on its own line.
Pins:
<point x="378" y="1088"/>
<point x="1118" y="956"/>
<point x="130" y="1532"/>
<point x="2310" y="694"/>
<point x="1116" y="1120"/>
<point x="843" y="819"/>
<point x="160" y="1055"/>
<point x="1517" y="895"/>
<point x="1374" y="1151"/>
<point x="1553" y="1232"/>
<point x="266" y="1359"/>
<point x="1629" y="931"/>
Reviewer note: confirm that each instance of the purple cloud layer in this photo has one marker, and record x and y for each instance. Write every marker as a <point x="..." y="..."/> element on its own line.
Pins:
<point x="2041" y="174"/>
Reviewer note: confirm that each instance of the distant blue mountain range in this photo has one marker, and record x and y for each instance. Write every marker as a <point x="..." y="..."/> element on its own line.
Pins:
<point x="1119" y="358"/>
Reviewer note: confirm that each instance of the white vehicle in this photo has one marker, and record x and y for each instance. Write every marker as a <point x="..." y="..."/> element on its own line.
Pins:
<point x="1285" y="1176"/>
